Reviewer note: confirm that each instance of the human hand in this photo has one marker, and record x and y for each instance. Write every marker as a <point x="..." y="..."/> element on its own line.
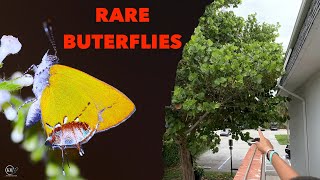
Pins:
<point x="264" y="144"/>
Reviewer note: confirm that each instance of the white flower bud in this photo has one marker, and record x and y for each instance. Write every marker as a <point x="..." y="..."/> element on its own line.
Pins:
<point x="4" y="96"/>
<point x="16" y="135"/>
<point x="16" y="75"/>
<point x="10" y="113"/>
<point x="9" y="45"/>
<point x="25" y="80"/>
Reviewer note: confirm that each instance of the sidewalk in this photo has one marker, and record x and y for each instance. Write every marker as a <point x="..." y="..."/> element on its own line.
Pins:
<point x="272" y="178"/>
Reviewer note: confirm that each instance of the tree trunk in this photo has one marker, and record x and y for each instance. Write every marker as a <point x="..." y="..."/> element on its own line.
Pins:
<point x="185" y="158"/>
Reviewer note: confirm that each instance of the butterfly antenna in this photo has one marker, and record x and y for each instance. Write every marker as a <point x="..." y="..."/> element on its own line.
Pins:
<point x="25" y="103"/>
<point x="29" y="69"/>
<point x="47" y="26"/>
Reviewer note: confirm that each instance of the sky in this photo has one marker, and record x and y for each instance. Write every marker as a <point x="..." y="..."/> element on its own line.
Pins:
<point x="272" y="11"/>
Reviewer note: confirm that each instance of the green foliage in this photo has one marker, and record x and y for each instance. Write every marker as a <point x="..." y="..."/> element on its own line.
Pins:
<point x="203" y="143"/>
<point x="199" y="171"/>
<point x="9" y="86"/>
<point x="170" y="154"/>
<point x="282" y="139"/>
<point x="226" y="79"/>
<point x="32" y="139"/>
<point x="53" y="171"/>
<point x="172" y="173"/>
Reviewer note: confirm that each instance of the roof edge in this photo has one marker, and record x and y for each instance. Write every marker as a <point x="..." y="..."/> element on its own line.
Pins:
<point x="303" y="12"/>
<point x="307" y="14"/>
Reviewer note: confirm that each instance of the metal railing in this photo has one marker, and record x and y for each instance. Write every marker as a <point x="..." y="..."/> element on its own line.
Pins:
<point x="263" y="168"/>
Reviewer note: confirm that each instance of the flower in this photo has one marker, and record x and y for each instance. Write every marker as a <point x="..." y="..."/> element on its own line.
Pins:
<point x="9" y="45"/>
<point x="16" y="75"/>
<point x="4" y="96"/>
<point x="24" y="80"/>
<point x="10" y="113"/>
<point x="17" y="135"/>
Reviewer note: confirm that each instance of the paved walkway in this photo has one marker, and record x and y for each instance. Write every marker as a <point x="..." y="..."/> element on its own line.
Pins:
<point x="272" y="178"/>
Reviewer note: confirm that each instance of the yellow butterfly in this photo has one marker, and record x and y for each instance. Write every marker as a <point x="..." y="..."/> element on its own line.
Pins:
<point x="73" y="105"/>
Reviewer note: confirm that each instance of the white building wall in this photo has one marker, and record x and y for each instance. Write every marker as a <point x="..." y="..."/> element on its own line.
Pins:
<point x="312" y="97"/>
<point x="311" y="93"/>
<point x="297" y="143"/>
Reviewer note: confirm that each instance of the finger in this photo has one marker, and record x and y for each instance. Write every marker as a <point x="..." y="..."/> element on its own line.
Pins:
<point x="258" y="143"/>
<point x="260" y="134"/>
<point x="255" y="145"/>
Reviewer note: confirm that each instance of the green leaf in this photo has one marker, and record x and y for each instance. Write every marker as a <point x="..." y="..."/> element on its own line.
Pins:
<point x="227" y="63"/>
<point x="9" y="86"/>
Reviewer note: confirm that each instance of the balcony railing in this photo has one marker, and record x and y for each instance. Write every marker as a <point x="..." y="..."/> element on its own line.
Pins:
<point x="253" y="166"/>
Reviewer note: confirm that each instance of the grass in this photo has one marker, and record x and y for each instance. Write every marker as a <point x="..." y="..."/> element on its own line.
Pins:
<point x="210" y="175"/>
<point x="174" y="173"/>
<point x="282" y="139"/>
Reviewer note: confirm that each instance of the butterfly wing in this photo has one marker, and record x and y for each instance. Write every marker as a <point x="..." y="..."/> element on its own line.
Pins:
<point x="71" y="89"/>
<point x="61" y="104"/>
<point x="34" y="113"/>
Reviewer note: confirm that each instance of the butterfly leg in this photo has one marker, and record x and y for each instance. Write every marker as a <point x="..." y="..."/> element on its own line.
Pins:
<point x="81" y="152"/>
<point x="65" y="152"/>
<point x="62" y="155"/>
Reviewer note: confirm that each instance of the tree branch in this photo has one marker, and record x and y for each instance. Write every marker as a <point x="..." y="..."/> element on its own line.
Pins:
<point x="196" y="124"/>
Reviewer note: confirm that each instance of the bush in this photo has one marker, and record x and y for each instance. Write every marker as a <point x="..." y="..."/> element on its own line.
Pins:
<point x="170" y="154"/>
<point x="172" y="173"/>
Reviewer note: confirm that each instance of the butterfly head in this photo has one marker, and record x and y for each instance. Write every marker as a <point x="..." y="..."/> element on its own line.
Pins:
<point x="55" y="137"/>
<point x="42" y="73"/>
<point x="47" y="61"/>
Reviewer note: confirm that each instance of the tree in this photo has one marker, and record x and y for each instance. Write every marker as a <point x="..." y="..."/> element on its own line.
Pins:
<point x="226" y="79"/>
